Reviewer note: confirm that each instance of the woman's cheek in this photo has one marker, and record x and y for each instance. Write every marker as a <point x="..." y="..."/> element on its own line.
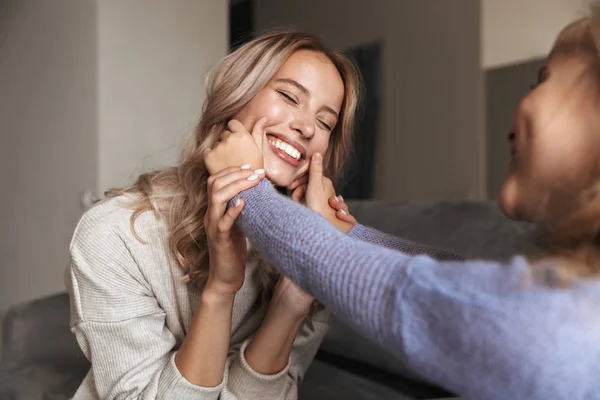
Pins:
<point x="321" y="146"/>
<point x="274" y="111"/>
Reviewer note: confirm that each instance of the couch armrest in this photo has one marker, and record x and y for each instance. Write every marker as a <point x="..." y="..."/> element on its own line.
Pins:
<point x="39" y="331"/>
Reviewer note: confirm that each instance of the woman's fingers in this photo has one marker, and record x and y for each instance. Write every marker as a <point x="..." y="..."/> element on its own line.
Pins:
<point x="225" y="193"/>
<point x="225" y="134"/>
<point x="225" y="177"/>
<point x="225" y="187"/>
<point x="334" y="203"/>
<point x="341" y="209"/>
<point x="226" y="223"/>
<point x="211" y="179"/>
<point x="344" y="216"/>
<point x="234" y="187"/>
<point x="236" y="126"/>
<point x="337" y="204"/>
<point x="298" y="182"/>
<point x="299" y="193"/>
<point x="315" y="169"/>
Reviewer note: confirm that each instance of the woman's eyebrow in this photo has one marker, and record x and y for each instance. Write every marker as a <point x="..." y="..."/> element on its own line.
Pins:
<point x="294" y="83"/>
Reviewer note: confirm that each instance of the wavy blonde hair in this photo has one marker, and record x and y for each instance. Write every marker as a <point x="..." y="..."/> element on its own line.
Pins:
<point x="573" y="240"/>
<point x="179" y="194"/>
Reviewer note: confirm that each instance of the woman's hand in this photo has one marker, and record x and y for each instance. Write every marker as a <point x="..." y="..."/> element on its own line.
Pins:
<point x="318" y="192"/>
<point x="337" y="203"/>
<point x="298" y="189"/>
<point x="203" y="353"/>
<point x="226" y="243"/>
<point x="237" y="147"/>
<point x="341" y="210"/>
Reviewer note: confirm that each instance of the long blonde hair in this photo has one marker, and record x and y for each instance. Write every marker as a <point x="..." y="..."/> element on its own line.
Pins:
<point x="179" y="194"/>
<point x="572" y="242"/>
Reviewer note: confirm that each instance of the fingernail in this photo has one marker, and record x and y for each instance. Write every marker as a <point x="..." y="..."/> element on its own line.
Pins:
<point x="318" y="158"/>
<point x="336" y="199"/>
<point x="253" y="177"/>
<point x="259" y="171"/>
<point x="340" y="198"/>
<point x="343" y="212"/>
<point x="237" y="202"/>
<point x="245" y="166"/>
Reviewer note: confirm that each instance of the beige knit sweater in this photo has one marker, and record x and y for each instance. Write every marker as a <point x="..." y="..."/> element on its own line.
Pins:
<point x="130" y="312"/>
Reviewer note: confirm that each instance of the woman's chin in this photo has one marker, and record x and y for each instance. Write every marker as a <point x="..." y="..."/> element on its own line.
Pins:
<point x="278" y="179"/>
<point x="508" y="199"/>
<point x="515" y="203"/>
<point x="278" y="172"/>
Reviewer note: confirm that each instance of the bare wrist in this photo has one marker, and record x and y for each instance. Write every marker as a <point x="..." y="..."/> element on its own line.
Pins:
<point x="269" y="351"/>
<point x="221" y="288"/>
<point x="292" y="312"/>
<point x="212" y="295"/>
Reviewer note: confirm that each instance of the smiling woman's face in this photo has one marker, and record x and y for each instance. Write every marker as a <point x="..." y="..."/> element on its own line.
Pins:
<point x="302" y="104"/>
<point x="555" y="140"/>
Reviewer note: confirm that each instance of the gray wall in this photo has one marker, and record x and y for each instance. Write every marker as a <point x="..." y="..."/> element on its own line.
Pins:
<point x="431" y="144"/>
<point x="504" y="89"/>
<point x="517" y="31"/>
<point x="92" y="92"/>
<point x="48" y="133"/>
<point x="153" y="56"/>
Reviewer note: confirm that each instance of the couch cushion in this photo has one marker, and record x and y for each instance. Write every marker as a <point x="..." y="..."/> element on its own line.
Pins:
<point x="21" y="340"/>
<point x="41" y="381"/>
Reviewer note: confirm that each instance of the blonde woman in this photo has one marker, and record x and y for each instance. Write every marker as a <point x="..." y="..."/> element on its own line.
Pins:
<point x="525" y="329"/>
<point x="167" y="301"/>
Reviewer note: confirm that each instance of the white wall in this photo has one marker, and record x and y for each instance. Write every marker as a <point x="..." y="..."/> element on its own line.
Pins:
<point x="153" y="56"/>
<point x="431" y="140"/>
<point x="519" y="30"/>
<point x="89" y="88"/>
<point x="48" y="133"/>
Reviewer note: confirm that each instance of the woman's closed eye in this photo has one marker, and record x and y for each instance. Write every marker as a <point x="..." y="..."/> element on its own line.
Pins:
<point x="326" y="125"/>
<point x="288" y="97"/>
<point x="293" y="99"/>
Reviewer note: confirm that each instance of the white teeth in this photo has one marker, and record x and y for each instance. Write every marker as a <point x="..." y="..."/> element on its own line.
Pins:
<point x="292" y="152"/>
<point x="287" y="148"/>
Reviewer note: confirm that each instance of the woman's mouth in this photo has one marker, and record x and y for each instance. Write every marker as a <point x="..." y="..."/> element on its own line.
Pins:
<point x="286" y="149"/>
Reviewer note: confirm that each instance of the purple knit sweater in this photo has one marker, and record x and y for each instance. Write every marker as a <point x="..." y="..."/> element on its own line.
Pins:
<point x="484" y="330"/>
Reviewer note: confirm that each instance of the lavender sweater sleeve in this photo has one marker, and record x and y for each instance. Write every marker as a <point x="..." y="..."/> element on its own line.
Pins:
<point x="483" y="330"/>
<point x="374" y="236"/>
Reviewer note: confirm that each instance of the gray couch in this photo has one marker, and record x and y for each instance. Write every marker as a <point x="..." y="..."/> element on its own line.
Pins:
<point x="41" y="360"/>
